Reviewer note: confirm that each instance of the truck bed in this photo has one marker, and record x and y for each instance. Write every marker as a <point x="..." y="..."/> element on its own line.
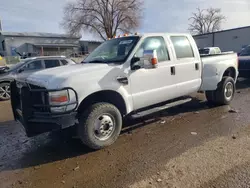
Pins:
<point x="213" y="66"/>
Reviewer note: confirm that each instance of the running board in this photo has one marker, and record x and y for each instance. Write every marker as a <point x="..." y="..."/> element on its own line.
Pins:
<point x="160" y="108"/>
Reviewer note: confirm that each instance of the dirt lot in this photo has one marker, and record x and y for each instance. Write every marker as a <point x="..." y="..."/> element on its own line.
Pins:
<point x="192" y="145"/>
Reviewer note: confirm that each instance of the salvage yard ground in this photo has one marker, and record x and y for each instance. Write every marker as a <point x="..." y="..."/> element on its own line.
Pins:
<point x="192" y="145"/>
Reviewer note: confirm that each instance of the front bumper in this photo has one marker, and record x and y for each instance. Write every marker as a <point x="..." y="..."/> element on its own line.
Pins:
<point x="30" y="107"/>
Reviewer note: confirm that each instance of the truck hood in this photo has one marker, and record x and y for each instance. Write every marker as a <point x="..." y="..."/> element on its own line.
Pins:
<point x="58" y="74"/>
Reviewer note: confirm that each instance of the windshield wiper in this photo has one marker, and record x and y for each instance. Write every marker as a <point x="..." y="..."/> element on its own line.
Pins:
<point x="97" y="61"/>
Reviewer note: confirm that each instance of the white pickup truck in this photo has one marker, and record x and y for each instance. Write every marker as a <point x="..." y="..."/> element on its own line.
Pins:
<point x="123" y="76"/>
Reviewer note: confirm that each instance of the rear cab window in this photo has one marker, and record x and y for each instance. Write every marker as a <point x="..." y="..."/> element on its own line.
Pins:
<point x="182" y="47"/>
<point x="50" y="63"/>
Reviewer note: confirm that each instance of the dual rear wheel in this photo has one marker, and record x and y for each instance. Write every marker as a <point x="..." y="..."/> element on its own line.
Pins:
<point x="224" y="94"/>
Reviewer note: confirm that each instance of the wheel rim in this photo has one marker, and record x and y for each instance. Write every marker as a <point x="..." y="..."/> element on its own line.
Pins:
<point x="5" y="91"/>
<point x="104" y="127"/>
<point x="229" y="90"/>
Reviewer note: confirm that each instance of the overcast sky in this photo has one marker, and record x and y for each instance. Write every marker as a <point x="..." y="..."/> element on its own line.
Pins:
<point x="159" y="15"/>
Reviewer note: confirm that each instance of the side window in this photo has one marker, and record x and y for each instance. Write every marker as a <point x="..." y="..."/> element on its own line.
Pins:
<point x="154" y="43"/>
<point x="182" y="46"/>
<point x="218" y="51"/>
<point x="212" y="51"/>
<point x="35" y="65"/>
<point x="51" y="63"/>
<point x="64" y="62"/>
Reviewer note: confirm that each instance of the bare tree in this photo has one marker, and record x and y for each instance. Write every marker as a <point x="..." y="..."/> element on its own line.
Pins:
<point x="104" y="17"/>
<point x="206" y="21"/>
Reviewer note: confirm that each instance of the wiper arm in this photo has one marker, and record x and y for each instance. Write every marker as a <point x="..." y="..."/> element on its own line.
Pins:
<point x="97" y="61"/>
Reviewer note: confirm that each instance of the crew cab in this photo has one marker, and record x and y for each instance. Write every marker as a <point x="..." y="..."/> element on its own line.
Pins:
<point x="123" y="77"/>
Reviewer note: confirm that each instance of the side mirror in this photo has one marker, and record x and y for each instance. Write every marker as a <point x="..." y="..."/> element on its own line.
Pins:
<point x="20" y="70"/>
<point x="150" y="57"/>
<point x="135" y="61"/>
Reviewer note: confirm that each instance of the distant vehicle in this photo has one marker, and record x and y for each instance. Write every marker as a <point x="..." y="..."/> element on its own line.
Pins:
<point x="130" y="75"/>
<point x="209" y="51"/>
<point x="244" y="62"/>
<point x="75" y="55"/>
<point x="25" y="68"/>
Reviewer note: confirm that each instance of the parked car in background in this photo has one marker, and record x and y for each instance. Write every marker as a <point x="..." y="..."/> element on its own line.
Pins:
<point x="24" y="68"/>
<point x="124" y="76"/>
<point x="3" y="69"/>
<point x="209" y="50"/>
<point x="244" y="62"/>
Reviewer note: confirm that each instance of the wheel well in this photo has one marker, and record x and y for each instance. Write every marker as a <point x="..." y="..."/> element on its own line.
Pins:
<point x="1" y="82"/>
<point x="104" y="96"/>
<point x="230" y="72"/>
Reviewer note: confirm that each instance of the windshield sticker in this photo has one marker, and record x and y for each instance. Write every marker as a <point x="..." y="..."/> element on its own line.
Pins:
<point x="125" y="42"/>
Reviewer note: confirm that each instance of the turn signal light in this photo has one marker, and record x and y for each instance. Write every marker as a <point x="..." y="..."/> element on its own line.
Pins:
<point x="154" y="61"/>
<point x="59" y="99"/>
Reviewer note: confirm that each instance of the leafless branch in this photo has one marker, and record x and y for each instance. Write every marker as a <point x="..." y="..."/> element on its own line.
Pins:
<point x="104" y="17"/>
<point x="206" y="21"/>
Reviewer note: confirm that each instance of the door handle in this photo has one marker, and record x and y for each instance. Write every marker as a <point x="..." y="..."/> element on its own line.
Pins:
<point x="196" y="66"/>
<point x="172" y="70"/>
<point x="123" y="80"/>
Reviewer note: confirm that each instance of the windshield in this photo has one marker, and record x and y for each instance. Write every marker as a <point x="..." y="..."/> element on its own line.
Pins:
<point x="113" y="51"/>
<point x="204" y="51"/>
<point x="16" y="66"/>
<point x="245" y="51"/>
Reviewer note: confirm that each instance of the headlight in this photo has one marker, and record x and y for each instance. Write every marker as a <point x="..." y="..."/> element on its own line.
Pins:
<point x="63" y="99"/>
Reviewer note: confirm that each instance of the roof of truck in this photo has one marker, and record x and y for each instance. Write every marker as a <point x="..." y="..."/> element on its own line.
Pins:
<point x="152" y="34"/>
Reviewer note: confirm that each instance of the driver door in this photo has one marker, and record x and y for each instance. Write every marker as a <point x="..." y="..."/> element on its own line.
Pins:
<point x="150" y="86"/>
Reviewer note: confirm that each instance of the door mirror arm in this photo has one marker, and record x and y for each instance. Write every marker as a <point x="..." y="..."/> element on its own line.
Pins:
<point x="135" y="63"/>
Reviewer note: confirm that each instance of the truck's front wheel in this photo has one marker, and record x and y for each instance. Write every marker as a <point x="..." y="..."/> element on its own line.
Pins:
<point x="100" y="125"/>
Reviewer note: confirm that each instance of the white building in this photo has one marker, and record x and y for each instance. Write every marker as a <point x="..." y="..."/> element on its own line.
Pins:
<point x="227" y="40"/>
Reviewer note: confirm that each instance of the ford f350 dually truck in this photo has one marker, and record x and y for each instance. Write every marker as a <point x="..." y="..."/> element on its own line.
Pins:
<point x="123" y="76"/>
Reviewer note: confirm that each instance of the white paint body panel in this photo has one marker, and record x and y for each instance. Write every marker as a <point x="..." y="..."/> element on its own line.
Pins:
<point x="214" y="68"/>
<point x="146" y="86"/>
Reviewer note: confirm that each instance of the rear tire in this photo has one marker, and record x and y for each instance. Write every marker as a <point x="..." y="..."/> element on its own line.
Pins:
<point x="224" y="94"/>
<point x="210" y="95"/>
<point x="100" y="125"/>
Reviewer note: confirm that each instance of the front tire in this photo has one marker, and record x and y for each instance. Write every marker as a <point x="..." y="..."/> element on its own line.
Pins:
<point x="100" y="125"/>
<point x="224" y="94"/>
<point x="4" y="91"/>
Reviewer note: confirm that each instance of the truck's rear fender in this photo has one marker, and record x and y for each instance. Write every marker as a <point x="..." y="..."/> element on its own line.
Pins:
<point x="214" y="72"/>
<point x="114" y="97"/>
